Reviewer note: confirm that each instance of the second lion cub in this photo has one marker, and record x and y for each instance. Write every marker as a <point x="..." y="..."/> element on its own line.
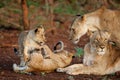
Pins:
<point x="29" y="41"/>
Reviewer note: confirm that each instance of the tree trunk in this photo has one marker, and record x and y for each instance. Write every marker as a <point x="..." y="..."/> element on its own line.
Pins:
<point x="51" y="12"/>
<point x="25" y="14"/>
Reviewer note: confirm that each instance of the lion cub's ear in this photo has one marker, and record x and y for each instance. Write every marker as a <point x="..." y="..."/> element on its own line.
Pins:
<point x="39" y="28"/>
<point x="107" y="34"/>
<point x="36" y="30"/>
<point x="90" y="33"/>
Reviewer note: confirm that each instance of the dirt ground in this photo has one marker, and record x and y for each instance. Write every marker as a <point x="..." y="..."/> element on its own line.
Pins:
<point x="8" y="40"/>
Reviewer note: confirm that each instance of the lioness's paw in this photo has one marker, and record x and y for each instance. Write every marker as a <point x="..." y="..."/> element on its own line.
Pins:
<point x="60" y="70"/>
<point x="71" y="73"/>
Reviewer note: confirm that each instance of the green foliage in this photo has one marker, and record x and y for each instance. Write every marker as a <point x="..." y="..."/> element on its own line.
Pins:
<point x="66" y="9"/>
<point x="2" y="5"/>
<point x="70" y="7"/>
<point x="34" y="3"/>
<point x="15" y="10"/>
<point x="79" y="52"/>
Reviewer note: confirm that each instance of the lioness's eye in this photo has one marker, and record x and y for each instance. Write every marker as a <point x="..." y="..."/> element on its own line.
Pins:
<point x="96" y="40"/>
<point x="73" y="29"/>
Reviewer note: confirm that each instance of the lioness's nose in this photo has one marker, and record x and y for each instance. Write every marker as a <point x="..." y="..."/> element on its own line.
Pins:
<point x="45" y="40"/>
<point x="102" y="47"/>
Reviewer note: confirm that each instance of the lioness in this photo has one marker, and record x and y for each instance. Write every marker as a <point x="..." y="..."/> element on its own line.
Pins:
<point x="103" y="18"/>
<point x="96" y="46"/>
<point x="103" y="57"/>
<point x="29" y="41"/>
<point x="38" y="63"/>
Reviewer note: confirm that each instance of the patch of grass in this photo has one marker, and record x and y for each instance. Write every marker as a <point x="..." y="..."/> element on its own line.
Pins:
<point x="66" y="9"/>
<point x="17" y="11"/>
<point x="2" y="5"/>
<point x="79" y="52"/>
<point x="34" y="3"/>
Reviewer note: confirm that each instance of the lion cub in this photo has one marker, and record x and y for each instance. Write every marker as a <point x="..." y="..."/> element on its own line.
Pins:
<point x="60" y="58"/>
<point x="30" y="41"/>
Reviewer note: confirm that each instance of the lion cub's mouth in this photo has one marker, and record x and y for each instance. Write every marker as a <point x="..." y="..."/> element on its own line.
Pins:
<point x="101" y="52"/>
<point x="40" y="43"/>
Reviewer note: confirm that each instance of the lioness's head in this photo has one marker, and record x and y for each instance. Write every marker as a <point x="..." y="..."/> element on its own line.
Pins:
<point x="38" y="35"/>
<point x="77" y="29"/>
<point x="99" y="41"/>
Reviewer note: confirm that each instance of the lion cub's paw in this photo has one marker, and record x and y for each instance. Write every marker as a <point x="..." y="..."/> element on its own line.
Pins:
<point x="15" y="67"/>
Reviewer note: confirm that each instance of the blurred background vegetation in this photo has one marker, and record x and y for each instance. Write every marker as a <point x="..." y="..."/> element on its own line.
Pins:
<point x="51" y="13"/>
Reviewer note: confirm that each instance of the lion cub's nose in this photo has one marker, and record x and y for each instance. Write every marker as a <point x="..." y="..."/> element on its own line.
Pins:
<point x="70" y="38"/>
<point x="102" y="47"/>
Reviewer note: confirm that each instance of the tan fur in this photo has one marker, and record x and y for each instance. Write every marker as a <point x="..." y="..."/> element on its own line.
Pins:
<point x="39" y="64"/>
<point x="95" y="63"/>
<point x="30" y="40"/>
<point x="97" y="46"/>
<point x="103" y="18"/>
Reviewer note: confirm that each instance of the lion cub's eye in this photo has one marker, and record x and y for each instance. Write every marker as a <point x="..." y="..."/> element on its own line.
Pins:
<point x="106" y="40"/>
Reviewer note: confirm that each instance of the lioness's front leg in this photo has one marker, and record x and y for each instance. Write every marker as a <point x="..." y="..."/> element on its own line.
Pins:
<point x="69" y="69"/>
<point x="81" y="69"/>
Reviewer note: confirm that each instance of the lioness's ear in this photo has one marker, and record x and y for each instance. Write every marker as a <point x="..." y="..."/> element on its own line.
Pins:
<point x="80" y="17"/>
<point x="90" y="33"/>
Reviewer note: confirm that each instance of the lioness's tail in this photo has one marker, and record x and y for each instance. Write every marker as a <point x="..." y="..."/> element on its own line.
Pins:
<point x="61" y="49"/>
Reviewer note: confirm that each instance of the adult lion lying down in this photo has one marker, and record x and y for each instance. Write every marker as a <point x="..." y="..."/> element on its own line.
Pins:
<point x="103" y="18"/>
<point x="38" y="63"/>
<point x="101" y="57"/>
